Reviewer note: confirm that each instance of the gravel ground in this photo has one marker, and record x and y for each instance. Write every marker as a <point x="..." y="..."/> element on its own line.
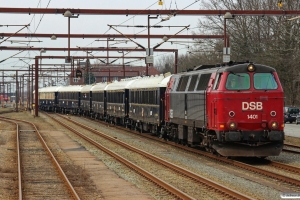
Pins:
<point x="8" y="164"/>
<point x="210" y="169"/>
<point x="221" y="173"/>
<point x="181" y="182"/>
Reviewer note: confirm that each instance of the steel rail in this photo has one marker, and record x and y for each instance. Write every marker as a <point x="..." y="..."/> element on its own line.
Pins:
<point x="290" y="150"/>
<point x="181" y="170"/>
<point x="285" y="167"/>
<point x="129" y="164"/>
<point x="61" y="172"/>
<point x="19" y="158"/>
<point x="225" y="160"/>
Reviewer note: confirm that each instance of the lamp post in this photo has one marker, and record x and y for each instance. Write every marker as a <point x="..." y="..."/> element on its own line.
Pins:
<point x="69" y="15"/>
<point x="226" y="50"/>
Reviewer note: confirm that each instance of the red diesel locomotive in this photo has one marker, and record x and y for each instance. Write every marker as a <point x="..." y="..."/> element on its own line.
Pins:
<point x="234" y="110"/>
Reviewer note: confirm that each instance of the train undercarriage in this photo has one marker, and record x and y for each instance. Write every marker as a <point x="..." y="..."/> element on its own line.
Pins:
<point x="265" y="144"/>
<point x="197" y="137"/>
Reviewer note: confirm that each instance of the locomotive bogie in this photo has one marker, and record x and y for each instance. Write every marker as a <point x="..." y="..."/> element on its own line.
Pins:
<point x="242" y="150"/>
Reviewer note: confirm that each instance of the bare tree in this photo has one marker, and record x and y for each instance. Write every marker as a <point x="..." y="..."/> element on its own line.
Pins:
<point x="270" y="40"/>
<point x="165" y="63"/>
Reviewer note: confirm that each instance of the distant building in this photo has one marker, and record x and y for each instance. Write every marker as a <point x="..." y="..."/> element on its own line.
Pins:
<point x="104" y="73"/>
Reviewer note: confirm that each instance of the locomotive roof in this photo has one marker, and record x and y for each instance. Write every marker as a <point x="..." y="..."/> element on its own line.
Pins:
<point x="50" y="89"/>
<point x="234" y="67"/>
<point x="70" y="88"/>
<point x="150" y="82"/>
<point x="99" y="87"/>
<point x="240" y="68"/>
<point x="121" y="85"/>
<point x="86" y="88"/>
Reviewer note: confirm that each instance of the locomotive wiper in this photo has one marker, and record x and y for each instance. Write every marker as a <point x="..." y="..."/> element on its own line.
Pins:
<point x="235" y="74"/>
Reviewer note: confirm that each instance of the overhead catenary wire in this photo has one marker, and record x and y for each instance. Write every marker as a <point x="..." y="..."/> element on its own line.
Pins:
<point x="11" y="56"/>
<point x="42" y="20"/>
<point x="25" y="26"/>
<point x="127" y="37"/>
<point x="143" y="26"/>
<point x="154" y="26"/>
<point x="170" y="37"/>
<point x="28" y="30"/>
<point x="141" y="12"/>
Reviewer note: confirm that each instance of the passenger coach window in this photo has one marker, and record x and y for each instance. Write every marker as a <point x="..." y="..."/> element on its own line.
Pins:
<point x="182" y="83"/>
<point x="264" y="81"/>
<point x="239" y="81"/>
<point x="203" y="82"/>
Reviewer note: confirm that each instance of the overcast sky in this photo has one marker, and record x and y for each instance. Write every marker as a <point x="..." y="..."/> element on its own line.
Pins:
<point x="90" y="24"/>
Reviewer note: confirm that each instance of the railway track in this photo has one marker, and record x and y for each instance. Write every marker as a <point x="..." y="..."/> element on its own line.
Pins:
<point x="37" y="178"/>
<point x="166" y="167"/>
<point x="291" y="149"/>
<point x="293" y="183"/>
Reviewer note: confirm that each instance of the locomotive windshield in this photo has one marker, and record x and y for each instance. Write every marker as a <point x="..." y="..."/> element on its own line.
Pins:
<point x="238" y="81"/>
<point x="264" y="81"/>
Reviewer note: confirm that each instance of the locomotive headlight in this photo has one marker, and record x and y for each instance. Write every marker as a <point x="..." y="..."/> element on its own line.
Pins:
<point x="251" y="68"/>
<point x="274" y="125"/>
<point x="232" y="125"/>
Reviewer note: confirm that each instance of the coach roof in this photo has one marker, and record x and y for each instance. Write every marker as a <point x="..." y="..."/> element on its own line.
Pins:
<point x="50" y="89"/>
<point x="149" y="82"/>
<point x="121" y="85"/>
<point x="99" y="87"/>
<point x="86" y="88"/>
<point x="70" y="88"/>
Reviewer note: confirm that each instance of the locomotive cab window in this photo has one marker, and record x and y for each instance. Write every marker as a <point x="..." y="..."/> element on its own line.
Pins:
<point x="265" y="81"/>
<point x="239" y="81"/>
